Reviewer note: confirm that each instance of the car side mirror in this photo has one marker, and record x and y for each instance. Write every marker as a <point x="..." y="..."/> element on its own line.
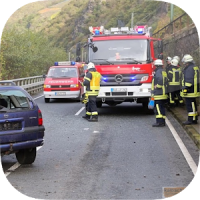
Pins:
<point x="44" y="76"/>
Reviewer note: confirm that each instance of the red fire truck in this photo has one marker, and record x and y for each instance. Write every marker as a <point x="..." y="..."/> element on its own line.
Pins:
<point x="125" y="58"/>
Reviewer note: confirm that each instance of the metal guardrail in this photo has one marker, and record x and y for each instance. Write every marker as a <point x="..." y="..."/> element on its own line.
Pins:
<point x="31" y="84"/>
<point x="183" y="21"/>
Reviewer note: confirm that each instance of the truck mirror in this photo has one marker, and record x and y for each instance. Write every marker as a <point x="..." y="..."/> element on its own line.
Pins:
<point x="78" y="59"/>
<point x="160" y="45"/>
<point x="78" y="50"/>
<point x="95" y="49"/>
<point x="43" y="76"/>
<point x="160" y="56"/>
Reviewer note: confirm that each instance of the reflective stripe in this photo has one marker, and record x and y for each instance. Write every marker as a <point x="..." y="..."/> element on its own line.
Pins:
<point x="188" y="84"/>
<point x="174" y="83"/>
<point x="87" y="78"/>
<point x="94" y="113"/>
<point x="88" y="113"/>
<point x="170" y="97"/>
<point x="192" y="114"/>
<point x="194" y="110"/>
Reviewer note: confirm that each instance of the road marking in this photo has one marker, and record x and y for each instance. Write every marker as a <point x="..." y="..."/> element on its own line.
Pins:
<point x="183" y="148"/>
<point x="80" y="111"/>
<point x="38" y="97"/>
<point x="13" y="168"/>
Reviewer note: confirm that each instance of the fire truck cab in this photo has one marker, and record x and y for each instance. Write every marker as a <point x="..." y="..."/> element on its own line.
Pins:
<point x="63" y="80"/>
<point x="125" y="58"/>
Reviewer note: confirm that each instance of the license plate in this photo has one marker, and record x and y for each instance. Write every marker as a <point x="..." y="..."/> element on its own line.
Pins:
<point x="118" y="89"/>
<point x="10" y="126"/>
<point x="60" y="93"/>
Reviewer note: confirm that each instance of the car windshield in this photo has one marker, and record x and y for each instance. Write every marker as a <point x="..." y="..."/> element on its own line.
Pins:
<point x="112" y="51"/>
<point x="14" y="99"/>
<point x="60" y="72"/>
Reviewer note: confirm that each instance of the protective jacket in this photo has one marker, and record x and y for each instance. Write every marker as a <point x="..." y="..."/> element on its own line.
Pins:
<point x="92" y="82"/>
<point x="160" y="81"/>
<point x="174" y="78"/>
<point x="190" y="81"/>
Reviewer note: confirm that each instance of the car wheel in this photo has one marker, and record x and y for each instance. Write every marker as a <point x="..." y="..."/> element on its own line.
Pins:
<point x="46" y="100"/>
<point x="26" y="156"/>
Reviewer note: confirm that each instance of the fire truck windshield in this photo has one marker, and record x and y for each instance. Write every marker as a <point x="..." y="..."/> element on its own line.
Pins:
<point x="125" y="51"/>
<point x="59" y="72"/>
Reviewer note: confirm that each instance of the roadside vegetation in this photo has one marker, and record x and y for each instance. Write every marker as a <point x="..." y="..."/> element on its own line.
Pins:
<point x="42" y="32"/>
<point x="27" y="54"/>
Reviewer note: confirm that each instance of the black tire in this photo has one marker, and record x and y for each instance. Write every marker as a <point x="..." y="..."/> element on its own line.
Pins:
<point x="99" y="104"/>
<point x="26" y="156"/>
<point x="46" y="100"/>
<point x="145" y="105"/>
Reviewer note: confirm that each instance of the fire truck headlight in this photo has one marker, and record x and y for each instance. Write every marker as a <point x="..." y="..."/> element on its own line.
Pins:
<point x="74" y="85"/>
<point x="144" y="78"/>
<point x="47" y="86"/>
<point x="145" y="90"/>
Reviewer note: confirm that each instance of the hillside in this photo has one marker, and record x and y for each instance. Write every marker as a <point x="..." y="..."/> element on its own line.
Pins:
<point x="66" y="22"/>
<point x="35" y="15"/>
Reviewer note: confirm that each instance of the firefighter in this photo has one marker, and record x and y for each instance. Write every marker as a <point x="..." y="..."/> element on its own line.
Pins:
<point x="159" y="93"/>
<point x="168" y="61"/>
<point x="178" y="59"/>
<point x="173" y="75"/>
<point x="178" y="98"/>
<point x="190" y="88"/>
<point x="92" y="83"/>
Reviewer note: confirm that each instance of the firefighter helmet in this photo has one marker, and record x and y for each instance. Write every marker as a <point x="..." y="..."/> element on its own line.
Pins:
<point x="168" y="59"/>
<point x="174" y="62"/>
<point x="90" y="65"/>
<point x="177" y="58"/>
<point x="158" y="62"/>
<point x="187" y="58"/>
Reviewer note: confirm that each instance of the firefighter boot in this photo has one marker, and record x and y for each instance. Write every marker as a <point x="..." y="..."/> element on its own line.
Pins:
<point x="93" y="118"/>
<point x="86" y="116"/>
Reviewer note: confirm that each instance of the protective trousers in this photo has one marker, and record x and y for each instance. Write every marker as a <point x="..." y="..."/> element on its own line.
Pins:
<point x="160" y="111"/>
<point x="191" y="106"/>
<point x="92" y="107"/>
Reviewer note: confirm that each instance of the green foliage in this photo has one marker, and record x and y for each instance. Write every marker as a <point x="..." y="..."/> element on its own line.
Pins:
<point x="27" y="54"/>
<point x="65" y="23"/>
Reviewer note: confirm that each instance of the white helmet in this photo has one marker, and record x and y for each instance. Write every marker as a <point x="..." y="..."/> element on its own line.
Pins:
<point x="177" y="58"/>
<point x="168" y="59"/>
<point x="174" y="62"/>
<point x="158" y="62"/>
<point x="90" y="65"/>
<point x="187" y="58"/>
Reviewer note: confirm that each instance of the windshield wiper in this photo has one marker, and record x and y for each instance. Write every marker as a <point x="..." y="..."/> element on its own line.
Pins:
<point x="105" y="61"/>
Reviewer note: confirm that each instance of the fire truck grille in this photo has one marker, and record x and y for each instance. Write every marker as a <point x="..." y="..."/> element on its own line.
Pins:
<point x="60" y="86"/>
<point x="122" y="79"/>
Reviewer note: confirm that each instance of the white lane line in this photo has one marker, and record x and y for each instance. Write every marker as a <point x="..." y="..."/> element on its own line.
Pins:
<point x="184" y="150"/>
<point x="38" y="97"/>
<point x="17" y="165"/>
<point x="80" y="111"/>
<point x="11" y="169"/>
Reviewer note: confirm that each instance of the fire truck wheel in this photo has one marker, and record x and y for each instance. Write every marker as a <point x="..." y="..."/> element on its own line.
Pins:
<point x="99" y="104"/>
<point x="46" y="100"/>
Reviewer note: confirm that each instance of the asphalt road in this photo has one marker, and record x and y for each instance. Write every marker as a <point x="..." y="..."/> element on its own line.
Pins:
<point x="120" y="157"/>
